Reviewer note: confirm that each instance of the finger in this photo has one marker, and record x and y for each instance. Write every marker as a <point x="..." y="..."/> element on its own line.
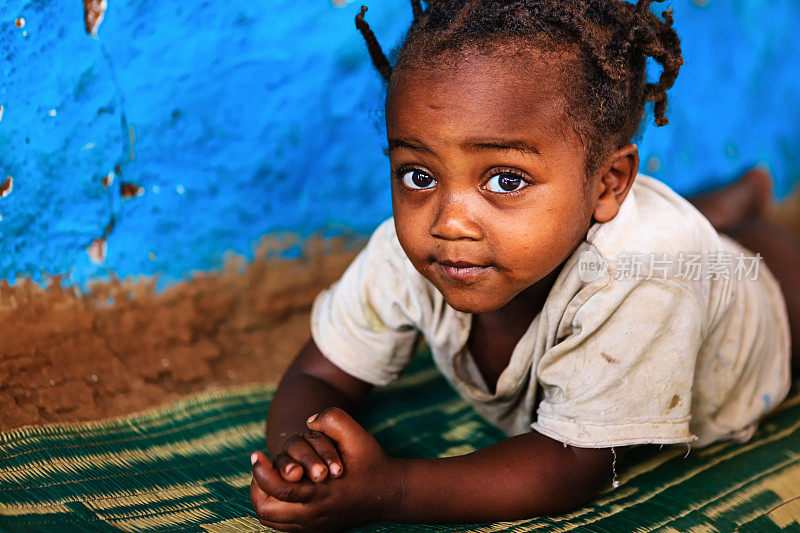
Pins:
<point x="280" y="526"/>
<point x="271" y="482"/>
<point x="272" y="510"/>
<point x="301" y="451"/>
<point x="339" y="426"/>
<point x="256" y="494"/>
<point x="289" y="468"/>
<point x="326" y="450"/>
<point x="258" y="498"/>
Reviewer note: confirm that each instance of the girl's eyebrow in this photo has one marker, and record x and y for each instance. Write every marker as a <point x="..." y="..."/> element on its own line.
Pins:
<point x="502" y="144"/>
<point x="412" y="144"/>
<point x="521" y="146"/>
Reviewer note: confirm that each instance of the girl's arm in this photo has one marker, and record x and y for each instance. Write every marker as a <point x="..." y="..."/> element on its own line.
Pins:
<point x="521" y="477"/>
<point x="311" y="384"/>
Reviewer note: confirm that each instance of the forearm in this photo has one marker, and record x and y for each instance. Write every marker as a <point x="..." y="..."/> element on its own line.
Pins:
<point x="311" y="384"/>
<point x="521" y="477"/>
<point x="298" y="397"/>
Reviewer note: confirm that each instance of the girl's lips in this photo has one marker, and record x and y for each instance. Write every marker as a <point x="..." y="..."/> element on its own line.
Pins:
<point x="461" y="271"/>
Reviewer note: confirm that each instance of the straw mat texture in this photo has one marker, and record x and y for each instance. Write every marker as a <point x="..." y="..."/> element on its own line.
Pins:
<point x="186" y="467"/>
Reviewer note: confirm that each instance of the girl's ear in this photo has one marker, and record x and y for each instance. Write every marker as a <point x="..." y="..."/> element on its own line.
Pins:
<point x="616" y="179"/>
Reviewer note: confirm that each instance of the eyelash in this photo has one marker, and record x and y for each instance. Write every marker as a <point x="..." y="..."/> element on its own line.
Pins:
<point x="510" y="172"/>
<point x="402" y="171"/>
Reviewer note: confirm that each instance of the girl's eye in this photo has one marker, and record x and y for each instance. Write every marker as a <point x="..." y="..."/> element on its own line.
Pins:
<point x="505" y="183"/>
<point x="415" y="179"/>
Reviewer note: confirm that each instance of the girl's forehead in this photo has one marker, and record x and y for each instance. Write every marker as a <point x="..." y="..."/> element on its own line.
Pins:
<point x="508" y="94"/>
<point x="516" y="61"/>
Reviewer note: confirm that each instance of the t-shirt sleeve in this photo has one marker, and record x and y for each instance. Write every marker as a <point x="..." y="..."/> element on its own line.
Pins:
<point x="624" y="376"/>
<point x="365" y="323"/>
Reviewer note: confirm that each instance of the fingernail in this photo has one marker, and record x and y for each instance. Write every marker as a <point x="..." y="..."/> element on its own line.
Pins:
<point x="253" y="458"/>
<point x="335" y="469"/>
<point x="311" y="418"/>
<point x="317" y="471"/>
<point x="290" y="468"/>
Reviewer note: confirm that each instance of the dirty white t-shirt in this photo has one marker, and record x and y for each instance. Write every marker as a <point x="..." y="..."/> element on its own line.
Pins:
<point x="654" y="332"/>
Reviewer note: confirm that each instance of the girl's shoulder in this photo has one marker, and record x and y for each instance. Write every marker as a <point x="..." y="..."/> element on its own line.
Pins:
<point x="654" y="219"/>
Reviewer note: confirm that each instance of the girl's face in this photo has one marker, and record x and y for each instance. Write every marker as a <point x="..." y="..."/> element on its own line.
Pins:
<point x="488" y="188"/>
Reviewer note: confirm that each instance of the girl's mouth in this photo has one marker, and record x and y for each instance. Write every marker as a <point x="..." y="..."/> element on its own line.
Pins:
<point x="461" y="270"/>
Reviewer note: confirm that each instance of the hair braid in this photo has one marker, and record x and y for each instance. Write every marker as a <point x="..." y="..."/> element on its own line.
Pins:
<point x="379" y="59"/>
<point x="416" y="7"/>
<point x="464" y="14"/>
<point x="656" y="38"/>
<point x="576" y="19"/>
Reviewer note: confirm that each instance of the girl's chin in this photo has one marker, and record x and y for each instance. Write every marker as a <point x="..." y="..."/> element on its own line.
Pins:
<point x="470" y="304"/>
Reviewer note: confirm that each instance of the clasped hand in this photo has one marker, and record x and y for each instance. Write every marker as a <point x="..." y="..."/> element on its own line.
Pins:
<point x="363" y="480"/>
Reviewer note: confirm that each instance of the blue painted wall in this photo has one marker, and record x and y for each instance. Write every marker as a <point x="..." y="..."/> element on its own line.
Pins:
<point x="249" y="118"/>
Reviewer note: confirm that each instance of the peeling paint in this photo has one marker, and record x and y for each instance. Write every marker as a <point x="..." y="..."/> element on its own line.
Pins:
<point x="2" y="110"/>
<point x="129" y="190"/>
<point x="97" y="251"/>
<point x="108" y="180"/>
<point x="6" y="187"/>
<point x="19" y="23"/>
<point x="132" y="141"/>
<point x="93" y="13"/>
<point x="109" y="229"/>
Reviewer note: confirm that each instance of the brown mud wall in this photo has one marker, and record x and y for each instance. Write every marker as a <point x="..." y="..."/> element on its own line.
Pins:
<point x="66" y="356"/>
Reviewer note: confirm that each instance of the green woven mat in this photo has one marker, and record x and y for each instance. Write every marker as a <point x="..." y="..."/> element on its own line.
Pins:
<point x="186" y="468"/>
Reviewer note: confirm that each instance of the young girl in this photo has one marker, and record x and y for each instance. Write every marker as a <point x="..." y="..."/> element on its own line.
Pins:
<point x="579" y="307"/>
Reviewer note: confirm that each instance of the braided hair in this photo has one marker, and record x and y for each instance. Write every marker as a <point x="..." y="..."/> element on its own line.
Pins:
<point x="610" y="41"/>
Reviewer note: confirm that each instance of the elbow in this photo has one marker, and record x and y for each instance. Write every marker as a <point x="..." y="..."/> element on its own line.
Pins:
<point x="580" y="476"/>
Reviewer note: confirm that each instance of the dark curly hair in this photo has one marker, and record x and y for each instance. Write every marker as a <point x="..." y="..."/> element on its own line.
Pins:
<point x="609" y="41"/>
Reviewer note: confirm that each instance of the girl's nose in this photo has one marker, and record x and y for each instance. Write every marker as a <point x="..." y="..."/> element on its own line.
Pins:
<point x="454" y="221"/>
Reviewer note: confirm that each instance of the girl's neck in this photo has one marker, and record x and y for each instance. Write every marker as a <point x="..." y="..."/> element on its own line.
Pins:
<point x="494" y="336"/>
<point x="524" y="307"/>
